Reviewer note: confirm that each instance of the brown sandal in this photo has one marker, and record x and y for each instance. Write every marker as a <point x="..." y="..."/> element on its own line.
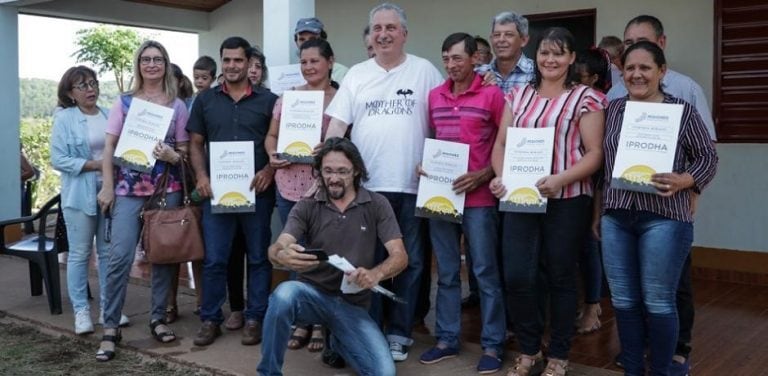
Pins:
<point x="171" y="314"/>
<point x="556" y="367"/>
<point x="526" y="364"/>
<point x="298" y="341"/>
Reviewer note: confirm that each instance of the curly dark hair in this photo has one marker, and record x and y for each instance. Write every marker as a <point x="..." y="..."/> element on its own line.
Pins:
<point x="349" y="149"/>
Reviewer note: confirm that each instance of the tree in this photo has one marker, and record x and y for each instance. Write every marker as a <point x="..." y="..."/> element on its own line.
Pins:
<point x="109" y="49"/>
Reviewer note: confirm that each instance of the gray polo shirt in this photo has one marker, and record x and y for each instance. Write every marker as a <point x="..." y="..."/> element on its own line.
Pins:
<point x="352" y="234"/>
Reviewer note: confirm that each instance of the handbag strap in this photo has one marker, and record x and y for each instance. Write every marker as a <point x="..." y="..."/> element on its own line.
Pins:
<point x="161" y="190"/>
<point x="183" y="165"/>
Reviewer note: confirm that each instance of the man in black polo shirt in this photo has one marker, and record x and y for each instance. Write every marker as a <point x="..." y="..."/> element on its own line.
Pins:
<point x="342" y="218"/>
<point x="234" y="111"/>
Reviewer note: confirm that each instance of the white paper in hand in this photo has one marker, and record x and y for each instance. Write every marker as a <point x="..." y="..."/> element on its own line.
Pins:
<point x="341" y="263"/>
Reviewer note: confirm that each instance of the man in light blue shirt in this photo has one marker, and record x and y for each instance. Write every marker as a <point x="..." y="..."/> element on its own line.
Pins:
<point x="674" y="83"/>
<point x="509" y="34"/>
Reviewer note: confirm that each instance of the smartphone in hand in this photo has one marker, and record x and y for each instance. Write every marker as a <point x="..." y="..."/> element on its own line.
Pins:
<point x="317" y="252"/>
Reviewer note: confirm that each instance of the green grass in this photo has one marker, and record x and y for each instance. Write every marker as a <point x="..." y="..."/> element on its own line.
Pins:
<point x="27" y="351"/>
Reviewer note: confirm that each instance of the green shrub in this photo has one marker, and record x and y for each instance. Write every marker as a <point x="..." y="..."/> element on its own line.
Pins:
<point x="35" y="138"/>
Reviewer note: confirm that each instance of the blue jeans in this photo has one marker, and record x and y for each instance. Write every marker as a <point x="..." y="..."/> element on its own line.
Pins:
<point x="219" y="231"/>
<point x="81" y="230"/>
<point x="126" y="228"/>
<point x="643" y="255"/>
<point x="480" y="227"/>
<point x="353" y="333"/>
<point x="284" y="207"/>
<point x="400" y="317"/>
<point x="540" y="254"/>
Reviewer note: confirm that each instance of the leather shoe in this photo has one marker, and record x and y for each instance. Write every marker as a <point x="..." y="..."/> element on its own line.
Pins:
<point x="251" y="333"/>
<point x="207" y="334"/>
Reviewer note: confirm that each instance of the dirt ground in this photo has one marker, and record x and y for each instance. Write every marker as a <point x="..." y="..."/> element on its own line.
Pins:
<point x="27" y="351"/>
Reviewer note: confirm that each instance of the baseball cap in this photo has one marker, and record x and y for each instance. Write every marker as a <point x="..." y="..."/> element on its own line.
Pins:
<point x="312" y="24"/>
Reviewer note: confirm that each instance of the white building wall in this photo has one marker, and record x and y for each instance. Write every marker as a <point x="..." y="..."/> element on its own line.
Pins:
<point x="237" y="18"/>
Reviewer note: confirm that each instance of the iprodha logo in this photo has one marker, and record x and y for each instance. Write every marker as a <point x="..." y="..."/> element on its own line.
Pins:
<point x="526" y="141"/>
<point x="227" y="152"/>
<point x="441" y="153"/>
<point x="147" y="113"/>
<point x="651" y="117"/>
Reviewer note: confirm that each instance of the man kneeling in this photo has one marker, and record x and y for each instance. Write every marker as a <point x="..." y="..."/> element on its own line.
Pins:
<point x="346" y="219"/>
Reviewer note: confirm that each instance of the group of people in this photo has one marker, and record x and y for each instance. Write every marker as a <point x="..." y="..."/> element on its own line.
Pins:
<point x="358" y="198"/>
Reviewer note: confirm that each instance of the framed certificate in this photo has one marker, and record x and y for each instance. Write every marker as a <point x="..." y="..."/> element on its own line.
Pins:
<point x="527" y="159"/>
<point x="647" y="144"/>
<point x="232" y="170"/>
<point x="443" y="161"/>
<point x="285" y="77"/>
<point x="145" y="125"/>
<point x="301" y="125"/>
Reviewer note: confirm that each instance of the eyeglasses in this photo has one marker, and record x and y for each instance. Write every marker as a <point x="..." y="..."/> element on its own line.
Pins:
<point x="158" y="60"/>
<point x="83" y="86"/>
<point x="342" y="173"/>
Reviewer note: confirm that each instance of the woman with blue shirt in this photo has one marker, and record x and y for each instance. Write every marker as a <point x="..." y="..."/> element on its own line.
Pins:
<point x="77" y="144"/>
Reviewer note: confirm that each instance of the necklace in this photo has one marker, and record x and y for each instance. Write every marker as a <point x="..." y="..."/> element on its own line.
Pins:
<point x="157" y="98"/>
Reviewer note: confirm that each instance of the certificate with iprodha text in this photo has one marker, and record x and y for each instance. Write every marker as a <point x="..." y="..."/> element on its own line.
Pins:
<point x="527" y="159"/>
<point x="232" y="170"/>
<point x="285" y="77"/>
<point x="647" y="144"/>
<point x="145" y="125"/>
<point x="443" y="162"/>
<point x="301" y="125"/>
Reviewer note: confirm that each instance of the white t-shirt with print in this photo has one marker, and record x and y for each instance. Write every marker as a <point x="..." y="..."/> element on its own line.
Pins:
<point x="389" y="116"/>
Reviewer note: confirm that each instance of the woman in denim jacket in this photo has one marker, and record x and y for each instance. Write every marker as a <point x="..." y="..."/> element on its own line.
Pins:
<point x="77" y="143"/>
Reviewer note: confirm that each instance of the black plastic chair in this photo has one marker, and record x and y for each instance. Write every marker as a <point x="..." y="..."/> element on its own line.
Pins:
<point x="41" y="251"/>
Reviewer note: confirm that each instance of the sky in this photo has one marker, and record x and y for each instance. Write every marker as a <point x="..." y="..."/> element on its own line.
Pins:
<point x="45" y="54"/>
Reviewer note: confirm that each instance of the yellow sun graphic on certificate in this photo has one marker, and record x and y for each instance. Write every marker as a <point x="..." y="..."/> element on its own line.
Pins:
<point x="233" y="199"/>
<point x="638" y="174"/>
<point x="524" y="196"/>
<point x="136" y="157"/>
<point x="298" y="148"/>
<point x="440" y="204"/>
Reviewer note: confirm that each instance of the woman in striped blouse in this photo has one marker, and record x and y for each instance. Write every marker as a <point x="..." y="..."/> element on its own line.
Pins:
<point x="549" y="244"/>
<point x="647" y="236"/>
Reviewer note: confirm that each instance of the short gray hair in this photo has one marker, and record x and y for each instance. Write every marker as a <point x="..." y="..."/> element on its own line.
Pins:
<point x="389" y="6"/>
<point x="504" y="18"/>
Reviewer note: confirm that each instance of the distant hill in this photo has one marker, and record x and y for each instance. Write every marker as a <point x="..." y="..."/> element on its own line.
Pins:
<point x="38" y="96"/>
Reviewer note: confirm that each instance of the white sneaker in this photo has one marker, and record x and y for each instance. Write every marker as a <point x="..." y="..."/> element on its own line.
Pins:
<point x="124" y="320"/>
<point x="399" y="352"/>
<point x="83" y="323"/>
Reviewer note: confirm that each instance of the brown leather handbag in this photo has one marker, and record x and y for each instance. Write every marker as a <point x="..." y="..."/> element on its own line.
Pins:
<point x="172" y="235"/>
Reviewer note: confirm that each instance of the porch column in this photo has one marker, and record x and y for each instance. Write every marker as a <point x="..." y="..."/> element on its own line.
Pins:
<point x="280" y="18"/>
<point x="10" y="205"/>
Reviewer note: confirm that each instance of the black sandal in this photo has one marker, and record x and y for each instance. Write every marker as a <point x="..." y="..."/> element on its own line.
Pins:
<point x="162" y="337"/>
<point x="297" y="341"/>
<point x="316" y="342"/>
<point x="107" y="355"/>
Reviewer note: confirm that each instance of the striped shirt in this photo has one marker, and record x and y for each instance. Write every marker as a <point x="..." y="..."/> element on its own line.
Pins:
<point x="530" y="110"/>
<point x="695" y="155"/>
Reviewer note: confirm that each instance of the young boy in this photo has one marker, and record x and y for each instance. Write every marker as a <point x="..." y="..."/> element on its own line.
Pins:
<point x="204" y="72"/>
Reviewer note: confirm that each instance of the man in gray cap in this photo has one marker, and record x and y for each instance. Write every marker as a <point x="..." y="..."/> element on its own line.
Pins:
<point x="311" y="28"/>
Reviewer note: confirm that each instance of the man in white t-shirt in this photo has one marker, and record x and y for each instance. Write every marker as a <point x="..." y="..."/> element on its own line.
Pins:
<point x="386" y="100"/>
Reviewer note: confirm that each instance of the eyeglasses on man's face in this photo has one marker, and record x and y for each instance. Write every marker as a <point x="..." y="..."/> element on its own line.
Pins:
<point x="158" y="60"/>
<point x="342" y="172"/>
<point x="83" y="86"/>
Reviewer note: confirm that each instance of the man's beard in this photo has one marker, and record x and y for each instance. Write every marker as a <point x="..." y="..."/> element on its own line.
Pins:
<point x="336" y="194"/>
